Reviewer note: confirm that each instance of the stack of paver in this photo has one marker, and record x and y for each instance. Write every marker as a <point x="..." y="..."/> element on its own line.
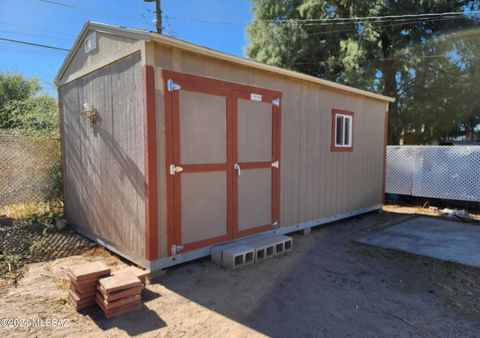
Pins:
<point x="119" y="294"/>
<point x="83" y="282"/>
<point x="132" y="270"/>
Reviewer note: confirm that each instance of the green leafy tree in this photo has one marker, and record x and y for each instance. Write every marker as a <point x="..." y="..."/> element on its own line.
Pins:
<point x="15" y="87"/>
<point x="24" y="109"/>
<point x="414" y="61"/>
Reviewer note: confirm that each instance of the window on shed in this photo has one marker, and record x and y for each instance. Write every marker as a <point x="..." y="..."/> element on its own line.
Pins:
<point x="90" y="42"/>
<point x="342" y="130"/>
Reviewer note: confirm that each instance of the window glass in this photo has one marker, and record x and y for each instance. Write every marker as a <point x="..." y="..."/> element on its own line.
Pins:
<point x="339" y="138"/>
<point x="347" y="131"/>
<point x="343" y="129"/>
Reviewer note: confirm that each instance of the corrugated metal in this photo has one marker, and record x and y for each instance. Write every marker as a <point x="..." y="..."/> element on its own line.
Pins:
<point x="315" y="182"/>
<point x="104" y="166"/>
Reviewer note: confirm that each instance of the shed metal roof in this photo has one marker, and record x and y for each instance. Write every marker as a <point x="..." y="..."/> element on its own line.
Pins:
<point x="146" y="35"/>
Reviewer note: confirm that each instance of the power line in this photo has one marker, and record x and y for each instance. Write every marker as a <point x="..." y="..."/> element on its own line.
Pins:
<point x="84" y="9"/>
<point x="31" y="28"/>
<point x="367" y="18"/>
<point x="37" y="35"/>
<point x="407" y="23"/>
<point x="61" y="4"/>
<point x="34" y="44"/>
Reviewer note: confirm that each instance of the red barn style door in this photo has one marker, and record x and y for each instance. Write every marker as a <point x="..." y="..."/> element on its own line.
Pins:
<point x="223" y="153"/>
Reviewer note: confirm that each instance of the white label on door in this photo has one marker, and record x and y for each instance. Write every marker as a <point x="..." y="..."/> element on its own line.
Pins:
<point x="255" y="97"/>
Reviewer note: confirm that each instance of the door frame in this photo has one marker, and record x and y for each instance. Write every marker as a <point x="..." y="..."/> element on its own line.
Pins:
<point x="229" y="90"/>
<point x="267" y="97"/>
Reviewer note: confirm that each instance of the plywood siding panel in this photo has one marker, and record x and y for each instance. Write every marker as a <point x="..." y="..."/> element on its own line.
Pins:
<point x="107" y="45"/>
<point x="315" y="182"/>
<point x="104" y="174"/>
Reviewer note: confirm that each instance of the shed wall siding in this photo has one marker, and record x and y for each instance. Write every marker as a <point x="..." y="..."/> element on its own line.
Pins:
<point x="104" y="167"/>
<point x="315" y="182"/>
<point x="107" y="45"/>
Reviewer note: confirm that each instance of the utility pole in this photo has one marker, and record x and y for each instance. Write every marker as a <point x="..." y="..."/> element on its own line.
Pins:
<point x="158" y="12"/>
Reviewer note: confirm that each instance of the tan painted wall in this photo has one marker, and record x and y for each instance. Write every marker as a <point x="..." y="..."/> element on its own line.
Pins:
<point x="107" y="45"/>
<point x="104" y="166"/>
<point x="315" y="182"/>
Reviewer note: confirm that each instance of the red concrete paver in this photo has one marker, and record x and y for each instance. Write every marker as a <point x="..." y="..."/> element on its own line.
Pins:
<point x="119" y="282"/>
<point x="88" y="271"/>
<point x="115" y="295"/>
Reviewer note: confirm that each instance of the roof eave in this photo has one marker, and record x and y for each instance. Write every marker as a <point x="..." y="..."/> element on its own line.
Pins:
<point x="255" y="64"/>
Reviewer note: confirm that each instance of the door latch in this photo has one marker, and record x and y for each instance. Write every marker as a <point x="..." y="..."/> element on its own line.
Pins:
<point x="276" y="164"/>
<point x="176" y="248"/>
<point x="175" y="169"/>
<point x="236" y="167"/>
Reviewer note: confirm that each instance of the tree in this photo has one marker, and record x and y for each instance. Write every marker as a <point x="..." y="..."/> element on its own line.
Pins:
<point x="14" y="87"/>
<point x="24" y="109"/>
<point x="394" y="58"/>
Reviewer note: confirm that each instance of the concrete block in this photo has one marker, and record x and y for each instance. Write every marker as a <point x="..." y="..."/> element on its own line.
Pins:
<point x="288" y="244"/>
<point x="217" y="251"/>
<point x="238" y="256"/>
<point x="264" y="249"/>
<point x="216" y="254"/>
<point x="283" y="244"/>
<point x="279" y="248"/>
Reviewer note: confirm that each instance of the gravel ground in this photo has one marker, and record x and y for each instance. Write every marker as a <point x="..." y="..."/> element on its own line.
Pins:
<point x="329" y="286"/>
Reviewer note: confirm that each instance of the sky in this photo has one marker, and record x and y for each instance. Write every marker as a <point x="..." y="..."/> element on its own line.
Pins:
<point x="217" y="24"/>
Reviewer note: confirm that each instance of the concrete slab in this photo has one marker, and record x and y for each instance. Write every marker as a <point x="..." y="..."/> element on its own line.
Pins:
<point x="446" y="240"/>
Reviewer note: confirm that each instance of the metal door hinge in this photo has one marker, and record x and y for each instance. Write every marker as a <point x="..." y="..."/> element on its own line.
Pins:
<point x="176" y="248"/>
<point x="276" y="164"/>
<point x="276" y="102"/>
<point x="275" y="224"/>
<point x="175" y="169"/>
<point x="171" y="86"/>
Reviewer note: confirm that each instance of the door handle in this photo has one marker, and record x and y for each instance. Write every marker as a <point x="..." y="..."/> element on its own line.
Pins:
<point x="236" y="167"/>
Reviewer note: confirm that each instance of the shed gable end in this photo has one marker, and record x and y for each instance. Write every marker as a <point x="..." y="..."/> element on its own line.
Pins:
<point x="104" y="46"/>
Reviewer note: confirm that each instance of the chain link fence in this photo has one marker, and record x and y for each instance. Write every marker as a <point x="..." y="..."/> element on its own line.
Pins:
<point x="29" y="169"/>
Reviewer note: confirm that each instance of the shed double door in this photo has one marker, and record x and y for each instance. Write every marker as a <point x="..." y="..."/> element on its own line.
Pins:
<point x="223" y="144"/>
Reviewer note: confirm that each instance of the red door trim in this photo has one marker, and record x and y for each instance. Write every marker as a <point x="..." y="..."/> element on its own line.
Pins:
<point x="222" y="88"/>
<point x="151" y="179"/>
<point x="267" y="97"/>
<point x="209" y="82"/>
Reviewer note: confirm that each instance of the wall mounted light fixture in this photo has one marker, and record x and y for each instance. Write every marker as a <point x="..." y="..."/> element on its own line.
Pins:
<point x="89" y="113"/>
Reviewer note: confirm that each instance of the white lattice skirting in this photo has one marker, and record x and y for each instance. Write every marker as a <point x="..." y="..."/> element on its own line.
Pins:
<point x="448" y="172"/>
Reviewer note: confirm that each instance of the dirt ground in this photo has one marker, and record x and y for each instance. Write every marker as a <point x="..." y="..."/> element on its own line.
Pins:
<point x="329" y="286"/>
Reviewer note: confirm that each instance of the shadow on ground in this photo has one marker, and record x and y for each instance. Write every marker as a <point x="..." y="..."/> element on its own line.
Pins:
<point x="134" y="323"/>
<point x="332" y="286"/>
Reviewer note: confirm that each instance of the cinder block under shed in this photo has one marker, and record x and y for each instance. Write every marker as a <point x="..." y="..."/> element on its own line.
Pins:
<point x="436" y="238"/>
<point x="251" y="250"/>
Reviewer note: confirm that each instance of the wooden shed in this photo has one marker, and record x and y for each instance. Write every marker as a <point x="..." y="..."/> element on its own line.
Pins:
<point x="170" y="148"/>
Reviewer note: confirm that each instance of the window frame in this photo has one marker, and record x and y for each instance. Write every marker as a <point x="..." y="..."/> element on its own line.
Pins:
<point x="345" y="114"/>
<point x="92" y="37"/>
